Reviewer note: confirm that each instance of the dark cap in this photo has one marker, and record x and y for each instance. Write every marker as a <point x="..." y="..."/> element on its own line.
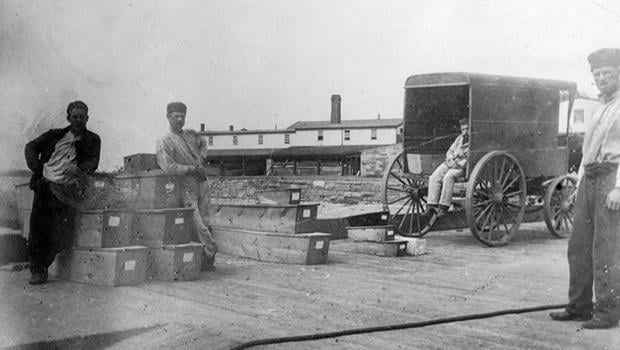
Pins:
<point x="176" y="107"/>
<point x="78" y="105"/>
<point x="605" y="57"/>
<point x="464" y="121"/>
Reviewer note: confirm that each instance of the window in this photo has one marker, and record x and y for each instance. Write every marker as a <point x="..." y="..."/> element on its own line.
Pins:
<point x="347" y="135"/>
<point x="287" y="139"/>
<point x="210" y="140"/>
<point x="235" y="140"/>
<point x="579" y="116"/>
<point x="260" y="139"/>
<point x="319" y="135"/>
<point x="373" y="134"/>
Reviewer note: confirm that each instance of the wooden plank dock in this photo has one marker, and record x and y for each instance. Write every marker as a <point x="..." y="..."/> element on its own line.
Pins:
<point x="246" y="300"/>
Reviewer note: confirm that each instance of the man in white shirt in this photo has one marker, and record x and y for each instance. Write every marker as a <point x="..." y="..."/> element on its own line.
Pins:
<point x="594" y="246"/>
<point x="183" y="152"/>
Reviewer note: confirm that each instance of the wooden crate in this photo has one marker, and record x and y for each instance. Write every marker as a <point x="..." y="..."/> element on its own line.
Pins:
<point x="282" y="218"/>
<point x="415" y="246"/>
<point x="369" y="219"/>
<point x="150" y="190"/>
<point x="100" y="194"/>
<point x="304" y="249"/>
<point x="174" y="262"/>
<point x="387" y="248"/>
<point x="103" y="228"/>
<point x="284" y="196"/>
<point x="371" y="233"/>
<point x="25" y="222"/>
<point x="158" y="227"/>
<point x="12" y="246"/>
<point x="23" y="197"/>
<point x="136" y="163"/>
<point x="114" y="267"/>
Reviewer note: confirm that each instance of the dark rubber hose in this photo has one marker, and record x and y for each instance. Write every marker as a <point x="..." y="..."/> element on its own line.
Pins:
<point x="316" y="336"/>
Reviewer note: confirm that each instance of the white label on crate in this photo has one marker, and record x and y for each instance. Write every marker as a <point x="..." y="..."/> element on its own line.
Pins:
<point x="318" y="183"/>
<point x="384" y="217"/>
<point x="130" y="265"/>
<point x="114" y="221"/>
<point x="319" y="245"/>
<point x="99" y="184"/>
<point x="179" y="221"/>
<point x="169" y="187"/>
<point x="187" y="257"/>
<point x="390" y="233"/>
<point x="295" y="196"/>
<point x="306" y="213"/>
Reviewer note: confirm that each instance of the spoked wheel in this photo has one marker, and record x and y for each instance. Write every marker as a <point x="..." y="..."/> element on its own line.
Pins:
<point x="558" y="205"/>
<point x="404" y="198"/>
<point x="496" y="195"/>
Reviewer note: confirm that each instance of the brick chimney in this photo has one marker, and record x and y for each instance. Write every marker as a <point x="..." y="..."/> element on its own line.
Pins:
<point x="231" y="128"/>
<point x="335" y="117"/>
<point x="202" y="127"/>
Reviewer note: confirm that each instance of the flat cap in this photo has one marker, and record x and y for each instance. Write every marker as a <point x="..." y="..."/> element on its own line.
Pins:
<point x="604" y="57"/>
<point x="176" y="107"/>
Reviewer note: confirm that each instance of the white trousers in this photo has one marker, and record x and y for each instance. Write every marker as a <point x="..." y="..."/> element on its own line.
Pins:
<point x="441" y="184"/>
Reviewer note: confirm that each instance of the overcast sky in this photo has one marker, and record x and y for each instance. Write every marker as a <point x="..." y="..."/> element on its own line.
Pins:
<point x="258" y="64"/>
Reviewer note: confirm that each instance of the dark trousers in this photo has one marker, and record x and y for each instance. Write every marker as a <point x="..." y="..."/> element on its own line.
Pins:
<point x="51" y="227"/>
<point x="594" y="246"/>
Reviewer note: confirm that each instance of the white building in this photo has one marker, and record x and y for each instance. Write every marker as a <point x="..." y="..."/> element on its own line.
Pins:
<point x="579" y="117"/>
<point x="309" y="147"/>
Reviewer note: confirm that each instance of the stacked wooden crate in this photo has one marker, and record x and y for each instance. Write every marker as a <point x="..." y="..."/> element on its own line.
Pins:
<point x="377" y="239"/>
<point x="278" y="228"/>
<point x="102" y="253"/>
<point x="371" y="234"/>
<point x="148" y="238"/>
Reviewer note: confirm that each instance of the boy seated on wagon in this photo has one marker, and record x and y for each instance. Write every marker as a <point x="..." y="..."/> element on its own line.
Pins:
<point x="441" y="182"/>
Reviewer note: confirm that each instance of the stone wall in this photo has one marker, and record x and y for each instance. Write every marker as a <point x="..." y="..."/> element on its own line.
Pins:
<point x="375" y="160"/>
<point x="328" y="189"/>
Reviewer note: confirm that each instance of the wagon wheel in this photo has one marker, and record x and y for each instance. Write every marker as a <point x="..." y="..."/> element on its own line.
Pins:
<point x="405" y="195"/>
<point x="495" y="202"/>
<point x="558" y="205"/>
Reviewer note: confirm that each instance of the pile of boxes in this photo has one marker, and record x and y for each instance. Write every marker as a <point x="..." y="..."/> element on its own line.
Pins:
<point x="277" y="228"/>
<point x="380" y="239"/>
<point x="149" y="238"/>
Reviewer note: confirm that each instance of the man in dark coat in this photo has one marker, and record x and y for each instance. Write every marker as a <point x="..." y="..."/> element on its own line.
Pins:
<point x="60" y="160"/>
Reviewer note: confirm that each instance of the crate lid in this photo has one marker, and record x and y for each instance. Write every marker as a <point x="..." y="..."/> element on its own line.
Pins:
<point x="146" y="173"/>
<point x="184" y="245"/>
<point x="106" y="210"/>
<point x="264" y="205"/>
<point x="370" y="227"/>
<point x="162" y="210"/>
<point x="114" y="249"/>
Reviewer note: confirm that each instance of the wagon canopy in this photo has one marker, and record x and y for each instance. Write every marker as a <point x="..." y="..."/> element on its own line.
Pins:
<point x="513" y="114"/>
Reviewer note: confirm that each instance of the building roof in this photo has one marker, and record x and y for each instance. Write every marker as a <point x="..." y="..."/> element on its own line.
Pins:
<point x="348" y="124"/>
<point x="245" y="131"/>
<point x="315" y="152"/>
<point x="240" y="152"/>
<point x="320" y="151"/>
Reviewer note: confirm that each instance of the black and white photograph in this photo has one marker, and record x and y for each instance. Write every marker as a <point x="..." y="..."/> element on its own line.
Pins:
<point x="317" y="174"/>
